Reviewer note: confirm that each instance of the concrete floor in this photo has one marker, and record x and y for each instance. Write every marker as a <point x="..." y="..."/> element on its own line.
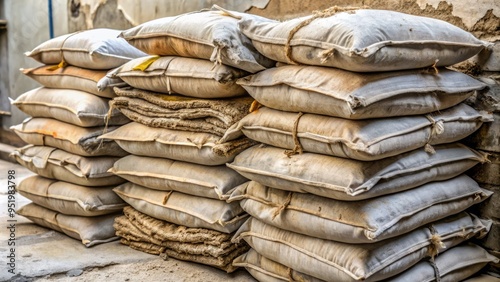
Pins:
<point x="45" y="255"/>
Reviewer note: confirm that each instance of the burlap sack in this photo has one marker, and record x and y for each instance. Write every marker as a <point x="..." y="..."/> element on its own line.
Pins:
<point x="98" y="48"/>
<point x="160" y="230"/>
<point x="70" y="138"/>
<point x="352" y="180"/>
<point x="194" y="147"/>
<point x="71" y="106"/>
<point x="456" y="264"/>
<point x="70" y="77"/>
<point x="220" y="39"/>
<point x="179" y="112"/>
<point x="325" y="259"/>
<point x="90" y="230"/>
<point x="366" y="140"/>
<point x="335" y="92"/>
<point x="453" y="265"/>
<point x="70" y="199"/>
<point x="186" y="76"/>
<point x="363" y="221"/>
<point x="362" y="40"/>
<point x="61" y="165"/>
<point x="213" y="182"/>
<point x="155" y="236"/>
<point x="183" y="209"/>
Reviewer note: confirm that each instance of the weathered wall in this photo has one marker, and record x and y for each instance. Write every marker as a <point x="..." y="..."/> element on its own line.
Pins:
<point x="27" y="26"/>
<point x="481" y="18"/>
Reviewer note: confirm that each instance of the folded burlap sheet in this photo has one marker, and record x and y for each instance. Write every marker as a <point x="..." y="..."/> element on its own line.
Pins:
<point x="154" y="236"/>
<point x="180" y="112"/>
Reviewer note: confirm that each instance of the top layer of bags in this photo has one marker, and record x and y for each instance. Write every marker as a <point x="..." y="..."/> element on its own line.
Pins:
<point x="212" y="35"/>
<point x="91" y="49"/>
<point x="362" y="40"/>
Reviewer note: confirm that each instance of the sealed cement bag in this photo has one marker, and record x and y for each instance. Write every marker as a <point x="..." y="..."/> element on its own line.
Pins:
<point x="90" y="230"/>
<point x="70" y="77"/>
<point x="193" y="147"/>
<point x="330" y="260"/>
<point x="212" y="35"/>
<point x="366" y="140"/>
<point x="352" y="180"/>
<point x="358" y="40"/>
<point x="72" y="106"/>
<point x="213" y="182"/>
<point x="61" y="165"/>
<point x="186" y="76"/>
<point x="455" y="264"/>
<point x="179" y="112"/>
<point x="183" y="209"/>
<point x="335" y="92"/>
<point x="151" y="235"/>
<point x="98" y="48"/>
<point x="78" y="140"/>
<point x="264" y="269"/>
<point x="363" y="221"/>
<point x="70" y="199"/>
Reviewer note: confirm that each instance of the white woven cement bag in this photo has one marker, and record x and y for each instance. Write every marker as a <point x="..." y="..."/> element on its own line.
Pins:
<point x="455" y="264"/>
<point x="61" y="165"/>
<point x="183" y="209"/>
<point x="70" y="199"/>
<point x="187" y="76"/>
<point x="98" y="48"/>
<point x="335" y="92"/>
<point x="78" y="140"/>
<point x="213" y="182"/>
<point x="195" y="147"/>
<point x="212" y="35"/>
<point x="266" y="270"/>
<point x="352" y="180"/>
<point x="90" y="230"/>
<point x="72" y="106"/>
<point x="363" y="221"/>
<point x="366" y="140"/>
<point x="362" y="40"/>
<point x="70" y="77"/>
<point x="335" y="261"/>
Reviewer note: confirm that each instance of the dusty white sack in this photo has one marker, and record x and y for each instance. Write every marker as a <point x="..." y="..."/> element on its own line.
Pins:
<point x="98" y="48"/>
<point x="183" y="209"/>
<point x="214" y="182"/>
<point x="364" y="40"/>
<point x="212" y="35"/>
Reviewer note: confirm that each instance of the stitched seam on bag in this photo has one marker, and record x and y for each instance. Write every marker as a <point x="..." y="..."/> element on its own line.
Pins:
<point x="168" y="177"/>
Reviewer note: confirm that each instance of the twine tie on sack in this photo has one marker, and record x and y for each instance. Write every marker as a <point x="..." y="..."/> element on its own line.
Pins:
<point x="165" y="199"/>
<point x="254" y="106"/>
<point x="297" y="149"/>
<point x="436" y="243"/>
<point x="290" y="275"/>
<point x="437" y="128"/>
<point x="316" y="15"/>
<point x="437" y="275"/>
<point x="283" y="206"/>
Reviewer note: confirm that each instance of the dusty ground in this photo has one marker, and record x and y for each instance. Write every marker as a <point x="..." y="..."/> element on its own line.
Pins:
<point x="155" y="270"/>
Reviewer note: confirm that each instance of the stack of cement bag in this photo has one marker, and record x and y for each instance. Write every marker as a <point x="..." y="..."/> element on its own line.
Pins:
<point x="181" y="104"/>
<point x="359" y="176"/>
<point x="487" y="140"/>
<point x="72" y="191"/>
